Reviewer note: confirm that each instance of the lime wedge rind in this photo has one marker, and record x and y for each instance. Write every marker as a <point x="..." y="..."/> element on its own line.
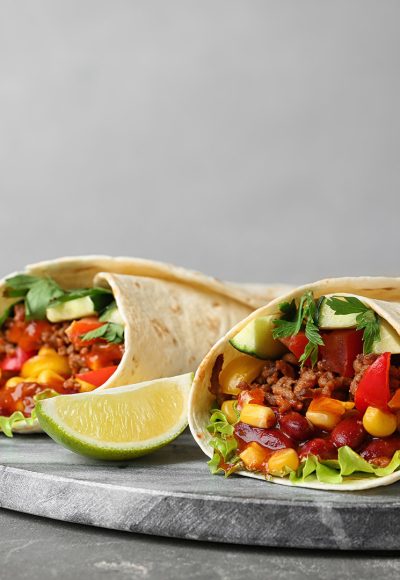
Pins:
<point x="78" y="442"/>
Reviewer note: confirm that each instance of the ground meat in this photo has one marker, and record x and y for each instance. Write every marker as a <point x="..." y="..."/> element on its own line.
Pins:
<point x="360" y="365"/>
<point x="288" y="387"/>
<point x="57" y="339"/>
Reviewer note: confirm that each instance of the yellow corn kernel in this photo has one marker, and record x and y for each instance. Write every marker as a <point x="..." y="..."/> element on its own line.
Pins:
<point x="283" y="461"/>
<point x="45" y="351"/>
<point x="53" y="362"/>
<point x="257" y="415"/>
<point x="228" y="409"/>
<point x="84" y="386"/>
<point x="50" y="378"/>
<point x="324" y="420"/>
<point x="379" y="423"/>
<point x="242" y="368"/>
<point x="14" y="381"/>
<point x="254" y="456"/>
<point x="348" y="405"/>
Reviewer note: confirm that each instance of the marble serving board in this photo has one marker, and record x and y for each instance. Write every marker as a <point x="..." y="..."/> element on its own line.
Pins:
<point x="171" y="493"/>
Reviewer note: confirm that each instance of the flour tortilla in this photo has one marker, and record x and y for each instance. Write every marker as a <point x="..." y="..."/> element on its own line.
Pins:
<point x="172" y="316"/>
<point x="381" y="294"/>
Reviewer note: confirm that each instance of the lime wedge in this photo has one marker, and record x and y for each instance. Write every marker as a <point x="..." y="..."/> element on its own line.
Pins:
<point x="118" y="423"/>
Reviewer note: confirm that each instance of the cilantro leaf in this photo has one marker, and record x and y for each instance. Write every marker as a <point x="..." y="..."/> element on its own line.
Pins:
<point x="307" y="316"/>
<point x="38" y="293"/>
<point x="101" y="297"/>
<point x="110" y="331"/>
<point x="346" y="305"/>
<point x="39" y="297"/>
<point x="366" y="318"/>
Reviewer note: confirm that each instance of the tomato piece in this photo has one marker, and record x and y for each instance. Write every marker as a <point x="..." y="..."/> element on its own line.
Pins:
<point x="99" y="377"/>
<point x="373" y="389"/>
<point x="255" y="396"/>
<point x="15" y="361"/>
<point x="31" y="338"/>
<point x="340" y="350"/>
<point x="82" y="326"/>
<point x="296" y="344"/>
<point x="15" y="331"/>
<point x="104" y="355"/>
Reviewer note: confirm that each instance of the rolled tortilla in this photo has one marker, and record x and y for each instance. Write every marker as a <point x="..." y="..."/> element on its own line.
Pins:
<point x="172" y="315"/>
<point x="379" y="293"/>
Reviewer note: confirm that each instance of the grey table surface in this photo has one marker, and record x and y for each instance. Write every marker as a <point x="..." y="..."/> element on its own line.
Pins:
<point x="170" y="493"/>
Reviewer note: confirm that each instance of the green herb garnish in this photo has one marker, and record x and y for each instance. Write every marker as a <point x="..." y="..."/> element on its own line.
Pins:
<point x="294" y="319"/>
<point x="225" y="458"/>
<point x="366" y="318"/>
<point x="38" y="293"/>
<point x="101" y="297"/>
<point x="110" y="331"/>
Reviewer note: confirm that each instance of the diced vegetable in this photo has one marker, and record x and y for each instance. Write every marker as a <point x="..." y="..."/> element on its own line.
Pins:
<point x="283" y="461"/>
<point x="80" y="327"/>
<point x="256" y="339"/>
<point x="325" y="412"/>
<point x="258" y="416"/>
<point x="254" y="456"/>
<point x="71" y="310"/>
<point x="46" y="360"/>
<point x="97" y="378"/>
<point x="15" y="362"/>
<point x="243" y="368"/>
<point x="373" y="389"/>
<point x="340" y="350"/>
<point x="296" y="344"/>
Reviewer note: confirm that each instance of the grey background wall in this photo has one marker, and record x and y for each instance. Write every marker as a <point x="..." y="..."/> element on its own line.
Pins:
<point x="253" y="140"/>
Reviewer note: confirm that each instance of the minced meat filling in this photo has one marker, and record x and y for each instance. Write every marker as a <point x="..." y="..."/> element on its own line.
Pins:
<point x="289" y="387"/>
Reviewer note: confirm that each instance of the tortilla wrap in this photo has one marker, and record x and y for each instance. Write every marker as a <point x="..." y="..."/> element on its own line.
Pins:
<point x="172" y="316"/>
<point x="379" y="293"/>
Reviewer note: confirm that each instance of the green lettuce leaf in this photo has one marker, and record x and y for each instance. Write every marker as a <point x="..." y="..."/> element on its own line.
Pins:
<point x="349" y="463"/>
<point x="7" y="423"/>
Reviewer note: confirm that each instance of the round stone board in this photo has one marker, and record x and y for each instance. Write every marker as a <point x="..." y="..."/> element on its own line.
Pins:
<point x="171" y="493"/>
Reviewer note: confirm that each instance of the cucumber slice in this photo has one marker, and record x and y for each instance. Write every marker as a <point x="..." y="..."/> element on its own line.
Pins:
<point x="111" y="314"/>
<point x="327" y="318"/>
<point x="71" y="310"/>
<point x="256" y="339"/>
<point x="389" y="339"/>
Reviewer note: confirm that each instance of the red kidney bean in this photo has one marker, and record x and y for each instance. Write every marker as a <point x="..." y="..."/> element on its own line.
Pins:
<point x="349" y="432"/>
<point x="381" y="448"/>
<point x="323" y="448"/>
<point x="296" y="426"/>
<point x="270" y="438"/>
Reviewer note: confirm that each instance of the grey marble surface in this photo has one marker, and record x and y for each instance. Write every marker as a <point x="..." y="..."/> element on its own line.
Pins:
<point x="35" y="548"/>
<point x="171" y="493"/>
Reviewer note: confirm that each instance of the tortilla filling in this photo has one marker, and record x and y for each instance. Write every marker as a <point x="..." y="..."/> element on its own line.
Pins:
<point x="326" y="405"/>
<point x="55" y="341"/>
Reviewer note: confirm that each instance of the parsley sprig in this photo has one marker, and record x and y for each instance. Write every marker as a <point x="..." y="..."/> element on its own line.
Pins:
<point x="110" y="331"/>
<point x="295" y="318"/>
<point x="36" y="292"/>
<point x="225" y="458"/>
<point x="366" y="318"/>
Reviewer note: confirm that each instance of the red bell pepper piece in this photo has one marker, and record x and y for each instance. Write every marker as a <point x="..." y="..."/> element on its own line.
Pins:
<point x="373" y="389"/>
<point x="97" y="378"/>
<point x="31" y="338"/>
<point x="296" y="344"/>
<point x="83" y="326"/>
<point x="340" y="350"/>
<point x="14" y="362"/>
